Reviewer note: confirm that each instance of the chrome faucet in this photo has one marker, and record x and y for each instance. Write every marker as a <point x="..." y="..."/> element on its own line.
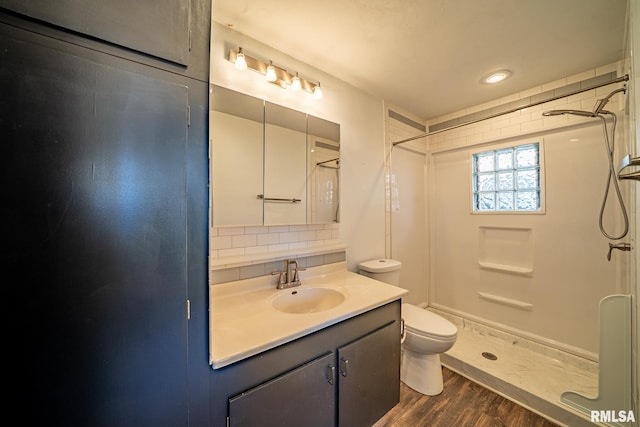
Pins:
<point x="289" y="277"/>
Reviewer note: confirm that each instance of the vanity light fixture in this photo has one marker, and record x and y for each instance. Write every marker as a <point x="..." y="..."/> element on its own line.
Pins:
<point x="496" y="77"/>
<point x="317" y="92"/>
<point x="295" y="82"/>
<point x="274" y="74"/>
<point x="271" y="73"/>
<point x="241" y="63"/>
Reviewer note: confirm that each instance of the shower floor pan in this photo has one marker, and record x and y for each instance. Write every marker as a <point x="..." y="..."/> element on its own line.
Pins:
<point x="528" y="373"/>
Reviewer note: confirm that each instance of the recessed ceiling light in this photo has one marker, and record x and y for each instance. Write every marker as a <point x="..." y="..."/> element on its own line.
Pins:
<point x="496" y="77"/>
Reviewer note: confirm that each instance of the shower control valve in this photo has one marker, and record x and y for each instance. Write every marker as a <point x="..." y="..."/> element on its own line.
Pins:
<point x="619" y="246"/>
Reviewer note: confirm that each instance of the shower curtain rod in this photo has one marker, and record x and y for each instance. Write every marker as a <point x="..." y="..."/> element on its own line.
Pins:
<point x="513" y="110"/>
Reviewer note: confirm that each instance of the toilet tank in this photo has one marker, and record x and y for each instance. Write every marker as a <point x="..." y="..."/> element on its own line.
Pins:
<point x="384" y="270"/>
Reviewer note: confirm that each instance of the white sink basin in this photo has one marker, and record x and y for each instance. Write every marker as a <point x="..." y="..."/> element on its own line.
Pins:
<point x="307" y="300"/>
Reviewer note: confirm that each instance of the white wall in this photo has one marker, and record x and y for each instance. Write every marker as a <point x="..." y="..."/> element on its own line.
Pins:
<point x="563" y="246"/>
<point x="362" y="156"/>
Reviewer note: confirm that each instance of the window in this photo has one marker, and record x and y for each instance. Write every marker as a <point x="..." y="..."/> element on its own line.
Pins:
<point x="507" y="179"/>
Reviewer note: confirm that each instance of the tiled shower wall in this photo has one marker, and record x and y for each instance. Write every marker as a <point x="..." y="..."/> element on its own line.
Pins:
<point x="524" y="121"/>
<point x="399" y="125"/>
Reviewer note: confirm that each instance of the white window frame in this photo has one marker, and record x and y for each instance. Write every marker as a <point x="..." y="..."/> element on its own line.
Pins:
<point x="502" y="146"/>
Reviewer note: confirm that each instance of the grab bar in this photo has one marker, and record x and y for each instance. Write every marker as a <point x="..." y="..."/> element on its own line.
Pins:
<point x="275" y="199"/>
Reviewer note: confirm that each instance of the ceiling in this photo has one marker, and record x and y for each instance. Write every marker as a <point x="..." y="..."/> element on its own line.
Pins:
<point x="428" y="56"/>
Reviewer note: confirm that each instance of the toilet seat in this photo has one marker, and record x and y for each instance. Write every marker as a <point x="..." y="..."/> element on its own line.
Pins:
<point x="425" y="323"/>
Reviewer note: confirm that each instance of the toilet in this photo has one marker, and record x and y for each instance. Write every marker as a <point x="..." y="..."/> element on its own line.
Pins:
<point x="426" y="334"/>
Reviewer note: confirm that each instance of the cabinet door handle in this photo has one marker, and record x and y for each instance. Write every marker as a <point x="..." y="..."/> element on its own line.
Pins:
<point x="331" y="374"/>
<point x="343" y="366"/>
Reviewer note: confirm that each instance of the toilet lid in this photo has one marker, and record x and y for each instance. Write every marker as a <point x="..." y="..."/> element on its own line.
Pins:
<point x="424" y="322"/>
<point x="380" y="265"/>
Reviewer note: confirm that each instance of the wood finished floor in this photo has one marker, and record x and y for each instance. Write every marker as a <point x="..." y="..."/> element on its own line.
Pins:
<point x="463" y="403"/>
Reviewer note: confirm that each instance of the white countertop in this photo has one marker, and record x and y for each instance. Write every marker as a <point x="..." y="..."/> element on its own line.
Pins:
<point x="242" y="321"/>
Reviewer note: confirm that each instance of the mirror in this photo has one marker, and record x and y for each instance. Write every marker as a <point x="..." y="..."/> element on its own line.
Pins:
<point x="324" y="166"/>
<point x="271" y="165"/>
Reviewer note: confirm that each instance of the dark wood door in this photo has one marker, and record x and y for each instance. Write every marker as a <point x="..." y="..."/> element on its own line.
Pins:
<point x="93" y="233"/>
<point x="304" y="396"/>
<point x="369" y="377"/>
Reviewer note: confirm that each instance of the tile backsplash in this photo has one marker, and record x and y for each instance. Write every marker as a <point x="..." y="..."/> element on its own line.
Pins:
<point x="227" y="273"/>
<point x="238" y="253"/>
<point x="250" y="241"/>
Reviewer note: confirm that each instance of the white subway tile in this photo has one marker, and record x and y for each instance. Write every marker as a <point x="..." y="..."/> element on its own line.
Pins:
<point x="255" y="250"/>
<point x="581" y="76"/>
<point x="268" y="239"/>
<point x="511" y="130"/>
<point x="231" y="252"/>
<point x="582" y="95"/>
<point x="289" y="237"/>
<point x="532" y="125"/>
<point x="298" y="245"/>
<point x="244" y="240"/>
<point x="609" y="68"/>
<point x="324" y="234"/>
<point x="554" y="85"/>
<point x="230" y="231"/>
<point x="298" y="227"/>
<point x="308" y="235"/>
<point x="221" y="242"/>
<point x="530" y="92"/>
<point x="492" y="134"/>
<point x="256" y="230"/>
<point x="278" y="248"/>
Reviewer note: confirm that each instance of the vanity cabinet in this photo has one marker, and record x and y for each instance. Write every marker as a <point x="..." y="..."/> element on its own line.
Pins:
<point x="368" y="377"/>
<point x="303" y="396"/>
<point x="347" y="374"/>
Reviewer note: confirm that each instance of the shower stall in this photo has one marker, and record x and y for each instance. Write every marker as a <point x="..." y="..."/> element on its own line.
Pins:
<point x="535" y="279"/>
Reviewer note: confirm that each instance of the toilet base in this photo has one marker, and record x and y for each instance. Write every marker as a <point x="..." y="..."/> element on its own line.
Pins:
<point x="422" y="372"/>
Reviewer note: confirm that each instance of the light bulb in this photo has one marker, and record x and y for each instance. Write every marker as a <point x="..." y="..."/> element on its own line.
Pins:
<point x="295" y="83"/>
<point x="271" y="73"/>
<point x="241" y="62"/>
<point x="496" y="77"/>
<point x="317" y="92"/>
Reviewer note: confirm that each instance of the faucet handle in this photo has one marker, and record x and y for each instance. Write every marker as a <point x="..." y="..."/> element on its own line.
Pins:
<point x="296" y="277"/>
<point x="282" y="278"/>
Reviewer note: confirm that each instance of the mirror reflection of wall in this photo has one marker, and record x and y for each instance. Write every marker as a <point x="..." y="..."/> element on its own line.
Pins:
<point x="285" y="163"/>
<point x="236" y="133"/>
<point x="271" y="165"/>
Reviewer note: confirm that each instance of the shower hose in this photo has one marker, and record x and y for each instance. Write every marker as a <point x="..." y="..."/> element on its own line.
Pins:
<point x="610" y="145"/>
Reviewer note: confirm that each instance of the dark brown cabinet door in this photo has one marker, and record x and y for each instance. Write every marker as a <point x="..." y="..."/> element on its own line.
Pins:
<point x="369" y="377"/>
<point x="158" y="28"/>
<point x="304" y="396"/>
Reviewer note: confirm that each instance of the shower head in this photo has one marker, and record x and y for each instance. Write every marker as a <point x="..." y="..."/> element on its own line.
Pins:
<point x="602" y="102"/>
<point x="574" y="112"/>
